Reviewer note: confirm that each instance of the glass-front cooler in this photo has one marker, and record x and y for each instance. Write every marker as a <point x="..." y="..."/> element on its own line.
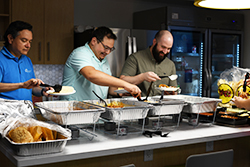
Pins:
<point x="187" y="54"/>
<point x="225" y="53"/>
<point x="201" y="55"/>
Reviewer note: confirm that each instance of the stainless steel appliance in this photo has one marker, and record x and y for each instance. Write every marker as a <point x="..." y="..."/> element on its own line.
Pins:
<point x="128" y="41"/>
<point x="206" y="42"/>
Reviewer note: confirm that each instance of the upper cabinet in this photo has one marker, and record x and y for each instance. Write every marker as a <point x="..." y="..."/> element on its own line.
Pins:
<point x="5" y="16"/>
<point x="53" y="24"/>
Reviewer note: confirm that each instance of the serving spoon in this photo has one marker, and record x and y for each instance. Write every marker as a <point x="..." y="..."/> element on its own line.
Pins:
<point x="101" y="99"/>
<point x="171" y="77"/>
<point x="57" y="87"/>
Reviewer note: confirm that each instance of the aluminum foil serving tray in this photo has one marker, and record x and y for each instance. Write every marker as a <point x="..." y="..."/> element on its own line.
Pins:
<point x="165" y="107"/>
<point x="70" y="112"/>
<point x="36" y="148"/>
<point x="132" y="110"/>
<point x="195" y="104"/>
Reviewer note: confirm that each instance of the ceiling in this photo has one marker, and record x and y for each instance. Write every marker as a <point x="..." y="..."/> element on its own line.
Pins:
<point x="177" y="2"/>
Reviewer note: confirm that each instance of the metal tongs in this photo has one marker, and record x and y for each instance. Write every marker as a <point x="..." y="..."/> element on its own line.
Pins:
<point x="245" y="82"/>
<point x="149" y="89"/>
<point x="151" y="133"/>
<point x="57" y="87"/>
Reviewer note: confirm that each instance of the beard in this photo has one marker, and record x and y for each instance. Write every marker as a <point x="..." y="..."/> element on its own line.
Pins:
<point x="156" y="54"/>
<point x="103" y="54"/>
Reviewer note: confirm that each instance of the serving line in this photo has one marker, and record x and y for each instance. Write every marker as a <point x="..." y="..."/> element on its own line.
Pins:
<point x="105" y="145"/>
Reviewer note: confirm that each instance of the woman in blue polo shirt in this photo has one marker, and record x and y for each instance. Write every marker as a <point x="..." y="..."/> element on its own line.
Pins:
<point x="17" y="78"/>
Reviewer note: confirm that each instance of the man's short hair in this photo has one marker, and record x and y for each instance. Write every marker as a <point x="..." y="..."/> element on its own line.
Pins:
<point x="101" y="32"/>
<point x="14" y="29"/>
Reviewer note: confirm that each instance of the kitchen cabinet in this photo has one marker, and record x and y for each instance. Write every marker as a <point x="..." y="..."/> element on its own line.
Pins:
<point x="53" y="23"/>
<point x="5" y="12"/>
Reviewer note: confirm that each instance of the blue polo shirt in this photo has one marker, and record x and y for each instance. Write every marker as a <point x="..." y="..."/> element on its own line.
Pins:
<point x="81" y="57"/>
<point x="14" y="70"/>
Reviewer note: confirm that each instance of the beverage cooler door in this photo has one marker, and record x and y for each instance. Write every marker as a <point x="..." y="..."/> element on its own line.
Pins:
<point x="223" y="53"/>
<point x="187" y="53"/>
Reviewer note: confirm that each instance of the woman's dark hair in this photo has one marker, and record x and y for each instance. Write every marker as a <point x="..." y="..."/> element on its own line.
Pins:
<point x="101" y="32"/>
<point x="14" y="29"/>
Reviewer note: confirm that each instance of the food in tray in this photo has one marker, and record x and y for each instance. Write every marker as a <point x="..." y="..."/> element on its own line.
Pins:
<point x="207" y="113"/>
<point x="229" y="116"/>
<point x="20" y="135"/>
<point x="243" y="115"/>
<point x="151" y="101"/>
<point x="36" y="132"/>
<point x="230" y="104"/>
<point x="235" y="110"/>
<point x="233" y="116"/>
<point x="24" y="134"/>
<point x="115" y="104"/>
<point x="166" y="86"/>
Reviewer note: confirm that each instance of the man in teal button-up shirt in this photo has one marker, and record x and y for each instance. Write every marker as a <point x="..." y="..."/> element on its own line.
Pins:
<point x="87" y="69"/>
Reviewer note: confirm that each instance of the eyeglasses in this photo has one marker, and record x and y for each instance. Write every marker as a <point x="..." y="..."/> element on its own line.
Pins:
<point x="106" y="48"/>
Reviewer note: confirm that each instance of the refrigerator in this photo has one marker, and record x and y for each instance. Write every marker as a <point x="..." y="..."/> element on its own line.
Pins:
<point x="201" y="55"/>
<point x="206" y="42"/>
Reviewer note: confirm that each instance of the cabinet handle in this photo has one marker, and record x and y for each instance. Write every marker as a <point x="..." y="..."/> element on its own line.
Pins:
<point x="129" y="46"/>
<point x="48" y="58"/>
<point x="40" y="51"/>
<point x="134" y="45"/>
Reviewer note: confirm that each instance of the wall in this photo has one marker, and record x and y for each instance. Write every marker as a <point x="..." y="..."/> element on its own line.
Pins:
<point x="119" y="14"/>
<point x="111" y="13"/>
<point x="51" y="74"/>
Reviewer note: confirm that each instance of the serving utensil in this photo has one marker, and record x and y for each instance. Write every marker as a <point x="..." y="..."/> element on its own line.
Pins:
<point x="100" y="98"/>
<point x="162" y="95"/>
<point x="150" y="134"/>
<point x="245" y="82"/>
<point x="149" y="90"/>
<point x="57" y="87"/>
<point x="171" y="77"/>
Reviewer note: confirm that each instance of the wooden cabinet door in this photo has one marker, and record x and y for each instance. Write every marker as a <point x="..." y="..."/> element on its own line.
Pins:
<point x="5" y="17"/>
<point x="32" y="12"/>
<point x="59" y="25"/>
<point x="53" y="24"/>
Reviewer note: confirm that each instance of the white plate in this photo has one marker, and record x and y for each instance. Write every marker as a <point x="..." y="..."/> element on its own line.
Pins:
<point x="121" y="91"/>
<point x="167" y="89"/>
<point x="52" y="92"/>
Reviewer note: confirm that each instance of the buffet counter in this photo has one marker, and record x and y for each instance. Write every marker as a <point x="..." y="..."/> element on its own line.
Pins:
<point x="104" y="148"/>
